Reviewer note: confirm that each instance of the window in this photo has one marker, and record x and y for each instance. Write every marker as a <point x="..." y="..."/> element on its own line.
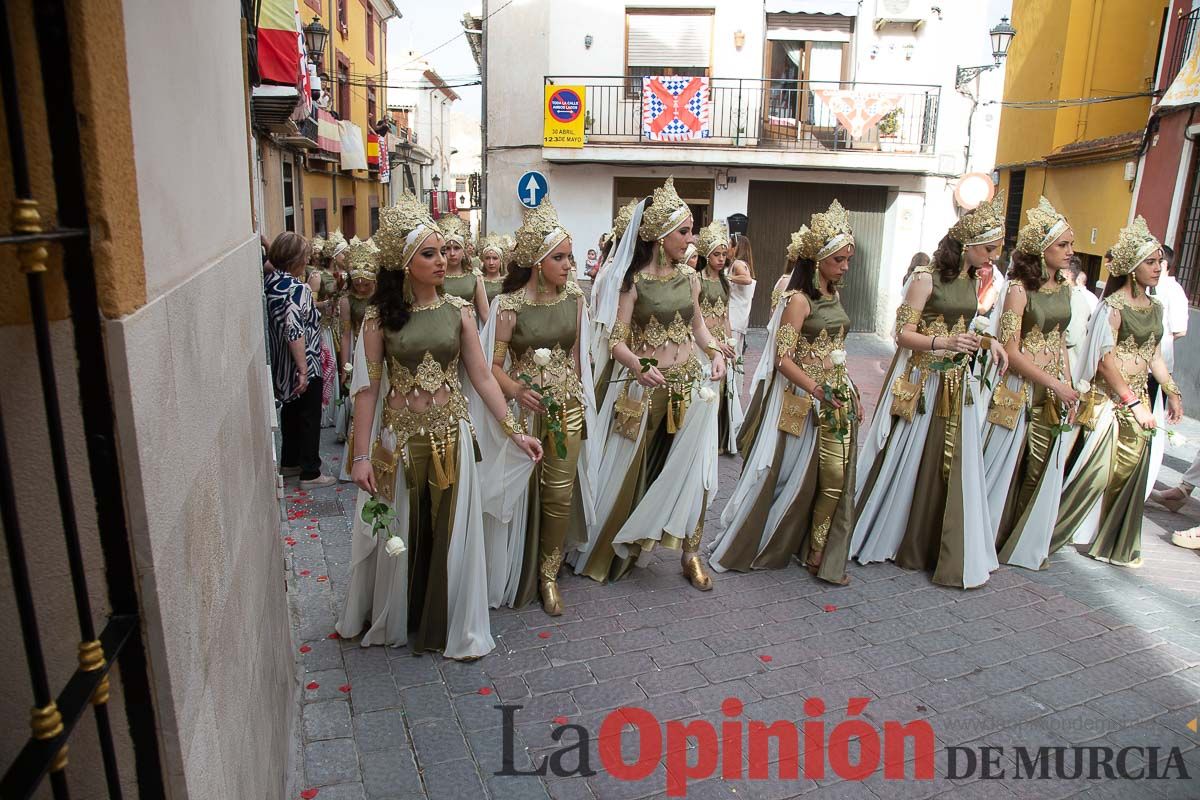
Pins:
<point x="349" y="226"/>
<point x="1187" y="257"/>
<point x="374" y="219"/>
<point x="343" y="87"/>
<point x="370" y="34"/>
<point x="371" y="107"/>
<point x="343" y="18"/>
<point x="666" y="43"/>
<point x="320" y="226"/>
<point x="289" y="197"/>
<point x="1012" y="212"/>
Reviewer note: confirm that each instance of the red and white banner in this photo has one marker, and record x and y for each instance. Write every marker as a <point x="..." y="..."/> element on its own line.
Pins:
<point x="675" y="108"/>
<point x="329" y="134"/>
<point x="857" y="110"/>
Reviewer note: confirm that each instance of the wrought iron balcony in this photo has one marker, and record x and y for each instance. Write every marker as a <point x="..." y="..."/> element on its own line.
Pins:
<point x="817" y="116"/>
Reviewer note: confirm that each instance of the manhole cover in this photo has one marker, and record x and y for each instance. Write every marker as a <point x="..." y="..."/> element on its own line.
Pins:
<point x="324" y="508"/>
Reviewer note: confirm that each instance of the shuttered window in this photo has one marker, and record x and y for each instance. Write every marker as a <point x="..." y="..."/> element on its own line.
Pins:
<point x="677" y="40"/>
<point x="810" y="27"/>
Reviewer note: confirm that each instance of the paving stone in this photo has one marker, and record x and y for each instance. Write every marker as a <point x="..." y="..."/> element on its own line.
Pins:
<point x="374" y="692"/>
<point x="343" y="791"/>
<point x="609" y="694"/>
<point x="454" y="780"/>
<point x="1064" y="692"/>
<point x="327" y="720"/>
<point x="380" y="730"/>
<point x="330" y="761"/>
<point x="437" y="742"/>
<point x="587" y="650"/>
<point x="893" y="680"/>
<point x="725" y="668"/>
<point x="620" y="666"/>
<point x="422" y="703"/>
<point x="676" y="654"/>
<point x="674" y="679"/>
<point x="557" y="679"/>
<point x="391" y="773"/>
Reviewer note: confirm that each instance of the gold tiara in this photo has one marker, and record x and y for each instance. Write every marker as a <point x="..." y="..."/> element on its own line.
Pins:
<point x="712" y="236"/>
<point x="455" y="228"/>
<point x="666" y="212"/>
<point x="334" y="244"/>
<point x="1044" y="226"/>
<point x="826" y="233"/>
<point x="363" y="259"/>
<point x="402" y="228"/>
<point x="495" y="243"/>
<point x="621" y="221"/>
<point x="1134" y="245"/>
<point x="540" y="232"/>
<point x="981" y="225"/>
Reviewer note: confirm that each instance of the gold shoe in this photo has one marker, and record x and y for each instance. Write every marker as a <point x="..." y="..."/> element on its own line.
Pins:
<point x="551" y="598"/>
<point x="693" y="570"/>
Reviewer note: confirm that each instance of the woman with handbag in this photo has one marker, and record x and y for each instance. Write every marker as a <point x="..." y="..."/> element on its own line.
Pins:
<point x="792" y="498"/>
<point x="1119" y="449"/>
<point x="712" y="256"/>
<point x="658" y="421"/>
<point x="423" y="391"/>
<point x="921" y="493"/>
<point x="1023" y="437"/>
<point x="538" y="337"/>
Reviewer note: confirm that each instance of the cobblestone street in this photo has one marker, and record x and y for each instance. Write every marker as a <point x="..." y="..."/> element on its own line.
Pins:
<point x="1079" y="654"/>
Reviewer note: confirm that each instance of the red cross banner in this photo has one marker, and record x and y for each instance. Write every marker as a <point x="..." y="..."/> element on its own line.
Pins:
<point x="858" y="111"/>
<point x="675" y="108"/>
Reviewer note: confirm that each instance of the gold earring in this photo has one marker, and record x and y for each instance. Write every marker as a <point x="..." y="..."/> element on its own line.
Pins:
<point x="662" y="253"/>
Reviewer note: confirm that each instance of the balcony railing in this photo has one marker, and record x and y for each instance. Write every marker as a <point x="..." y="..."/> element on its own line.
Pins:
<point x="1181" y="45"/>
<point x="775" y="114"/>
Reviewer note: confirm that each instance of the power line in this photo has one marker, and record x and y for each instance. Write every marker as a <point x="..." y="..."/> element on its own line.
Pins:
<point x="1049" y="105"/>
<point x="459" y="35"/>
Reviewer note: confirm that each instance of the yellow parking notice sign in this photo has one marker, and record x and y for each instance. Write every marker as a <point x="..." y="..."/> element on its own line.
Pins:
<point x="564" y="114"/>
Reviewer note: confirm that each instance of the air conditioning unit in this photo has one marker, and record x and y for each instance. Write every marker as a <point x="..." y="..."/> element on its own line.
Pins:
<point x="902" y="12"/>
<point x="464" y="199"/>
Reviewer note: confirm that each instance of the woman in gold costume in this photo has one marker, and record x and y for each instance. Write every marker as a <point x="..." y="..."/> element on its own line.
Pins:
<point x="1024" y="449"/>
<point x="492" y="253"/>
<point x="921" y="494"/>
<point x="363" y="261"/>
<point x="794" y="497"/>
<point x="658" y="421"/>
<point x="419" y="567"/>
<point x="327" y="283"/>
<point x="1110" y="473"/>
<point x="713" y="257"/>
<point x="462" y="280"/>
<point x="538" y="338"/>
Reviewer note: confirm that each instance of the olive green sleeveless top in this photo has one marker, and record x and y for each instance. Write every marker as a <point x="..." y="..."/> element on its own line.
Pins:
<point x="828" y="317"/>
<point x="491" y="286"/>
<point x="822" y="332"/>
<point x="462" y="286"/>
<point x="430" y="337"/>
<point x="553" y="326"/>
<point x="950" y="307"/>
<point x="1044" y="323"/>
<point x="714" y="300"/>
<point x="663" y="311"/>
<point x="1137" y="337"/>
<point x="358" y="312"/>
<point x="328" y="284"/>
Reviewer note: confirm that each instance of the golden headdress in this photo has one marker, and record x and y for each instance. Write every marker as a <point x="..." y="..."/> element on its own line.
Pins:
<point x="1044" y="226"/>
<point x="402" y="228"/>
<point x="621" y="221"/>
<point x="363" y="258"/>
<point x="539" y="233"/>
<point x="712" y="236"/>
<point x="1134" y="245"/>
<point x="317" y="245"/>
<point x="494" y="243"/>
<point x="666" y="213"/>
<point x="335" y="244"/>
<point x="796" y="245"/>
<point x="690" y="253"/>
<point x="983" y="224"/>
<point x="827" y="232"/>
<point x="455" y="229"/>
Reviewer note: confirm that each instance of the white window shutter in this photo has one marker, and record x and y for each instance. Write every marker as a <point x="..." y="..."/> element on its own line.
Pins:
<point x="669" y="40"/>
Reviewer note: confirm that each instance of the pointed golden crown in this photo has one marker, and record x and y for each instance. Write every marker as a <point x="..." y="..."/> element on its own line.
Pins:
<point x="317" y="245"/>
<point x="712" y="236"/>
<point x="455" y="228"/>
<point x="796" y="245"/>
<point x="1134" y="245"/>
<point x="363" y="258"/>
<point x="540" y="232"/>
<point x="1044" y="226"/>
<point x="402" y="228"/>
<point x="621" y="221"/>
<point x="666" y="212"/>
<point x="334" y="244"/>
<point x="495" y="243"/>
<point x="983" y="224"/>
<point x="827" y="232"/>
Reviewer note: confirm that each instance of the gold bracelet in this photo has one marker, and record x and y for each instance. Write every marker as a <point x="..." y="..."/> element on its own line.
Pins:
<point x="499" y="352"/>
<point x="510" y="425"/>
<point x="712" y="346"/>
<point x="1170" y="388"/>
<point x="374" y="370"/>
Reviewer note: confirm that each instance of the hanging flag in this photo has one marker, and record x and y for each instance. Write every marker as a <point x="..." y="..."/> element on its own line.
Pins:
<point x="278" y="51"/>
<point x="329" y="135"/>
<point x="373" y="150"/>
<point x="675" y="108"/>
<point x="354" y="156"/>
<point x="385" y="160"/>
<point x="858" y="110"/>
<point x="1185" y="89"/>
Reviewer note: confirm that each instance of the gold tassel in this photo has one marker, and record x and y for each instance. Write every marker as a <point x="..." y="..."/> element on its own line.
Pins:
<point x="1050" y="411"/>
<point x="969" y="400"/>
<point x="451" y="448"/>
<point x="943" y="402"/>
<point x="439" y="472"/>
<point x="672" y="427"/>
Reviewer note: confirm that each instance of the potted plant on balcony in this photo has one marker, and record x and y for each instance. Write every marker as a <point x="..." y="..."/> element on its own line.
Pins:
<point x="889" y="130"/>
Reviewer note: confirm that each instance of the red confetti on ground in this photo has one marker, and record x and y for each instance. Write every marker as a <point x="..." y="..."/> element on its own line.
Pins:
<point x="560" y="720"/>
<point x="312" y="687"/>
<point x="314" y="519"/>
<point x="485" y="690"/>
<point x="831" y="608"/>
<point x="291" y="542"/>
<point x="544" y="635"/>
<point x="322" y="578"/>
<point x="310" y="527"/>
<point x="335" y="459"/>
<point x="304" y="573"/>
<point x="309" y="794"/>
<point x="344" y="689"/>
<point x="305" y="648"/>
<point x="318" y="536"/>
<point x="340" y="489"/>
<point x="301" y="494"/>
<point x="765" y="659"/>
<point x="334" y="635"/>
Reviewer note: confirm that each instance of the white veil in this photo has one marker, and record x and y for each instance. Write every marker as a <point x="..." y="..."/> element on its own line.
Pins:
<point x="606" y="290"/>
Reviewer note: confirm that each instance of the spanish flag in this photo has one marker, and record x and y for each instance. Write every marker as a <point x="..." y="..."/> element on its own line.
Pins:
<point x="279" y="43"/>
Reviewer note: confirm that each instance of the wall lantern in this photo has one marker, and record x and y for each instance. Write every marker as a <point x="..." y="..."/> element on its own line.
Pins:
<point x="315" y="35"/>
<point x="739" y="39"/>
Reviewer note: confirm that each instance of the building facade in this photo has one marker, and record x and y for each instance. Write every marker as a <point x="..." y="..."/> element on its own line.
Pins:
<point x="1082" y="156"/>
<point x="785" y="83"/>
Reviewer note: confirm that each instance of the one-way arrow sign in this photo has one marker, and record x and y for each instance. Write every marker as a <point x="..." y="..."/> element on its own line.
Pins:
<point x="531" y="188"/>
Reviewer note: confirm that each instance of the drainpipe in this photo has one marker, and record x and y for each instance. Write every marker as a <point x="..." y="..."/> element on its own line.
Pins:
<point x="1089" y="69"/>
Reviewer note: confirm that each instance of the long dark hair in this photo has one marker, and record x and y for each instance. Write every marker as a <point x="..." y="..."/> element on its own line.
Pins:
<point x="516" y="278"/>
<point x="804" y="271"/>
<point x="741" y="251"/>
<point x="643" y="254"/>
<point x="1114" y="283"/>
<point x="948" y="259"/>
<point x="702" y="262"/>
<point x="1028" y="270"/>
<point x="394" y="309"/>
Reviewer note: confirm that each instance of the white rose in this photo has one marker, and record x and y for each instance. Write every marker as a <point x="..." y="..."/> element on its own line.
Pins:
<point x="1084" y="387"/>
<point x="980" y="324"/>
<point x="348" y="367"/>
<point x="1176" y="439"/>
<point x="838" y="357"/>
<point x="541" y="356"/>
<point x="394" y="546"/>
<point x="707" y="394"/>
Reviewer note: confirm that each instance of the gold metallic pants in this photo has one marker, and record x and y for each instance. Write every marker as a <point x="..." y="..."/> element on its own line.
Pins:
<point x="832" y="456"/>
<point x="1037" y="449"/>
<point x="431" y="521"/>
<point x="1126" y="457"/>
<point x="557" y="484"/>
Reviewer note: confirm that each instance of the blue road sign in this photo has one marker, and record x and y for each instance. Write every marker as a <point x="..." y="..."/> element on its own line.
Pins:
<point x="531" y="188"/>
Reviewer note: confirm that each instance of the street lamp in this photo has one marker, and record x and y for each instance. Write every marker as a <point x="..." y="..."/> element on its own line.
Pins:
<point x="315" y="35"/>
<point x="1001" y="35"/>
<point x="436" y="181"/>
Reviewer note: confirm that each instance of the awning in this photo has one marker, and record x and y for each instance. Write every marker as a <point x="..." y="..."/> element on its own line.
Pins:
<point x="1185" y="89"/>
<point x="846" y="8"/>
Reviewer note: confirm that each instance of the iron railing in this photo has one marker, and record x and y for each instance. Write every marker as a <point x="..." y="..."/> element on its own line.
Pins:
<point x="119" y="642"/>
<point x="1181" y="45"/>
<point x="772" y="114"/>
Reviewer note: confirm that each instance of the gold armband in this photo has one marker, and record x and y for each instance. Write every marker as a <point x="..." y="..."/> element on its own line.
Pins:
<point x="1170" y="388"/>
<point x="906" y="315"/>
<point x="374" y="370"/>
<point x="499" y="352"/>
<point x="786" y="340"/>
<point x="1010" y="323"/>
<point x="620" y="333"/>
<point x="712" y="346"/>
<point x="511" y="426"/>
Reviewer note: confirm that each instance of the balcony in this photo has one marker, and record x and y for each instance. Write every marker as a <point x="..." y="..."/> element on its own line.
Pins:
<point x="764" y="122"/>
<point x="1180" y="47"/>
<point x="303" y="134"/>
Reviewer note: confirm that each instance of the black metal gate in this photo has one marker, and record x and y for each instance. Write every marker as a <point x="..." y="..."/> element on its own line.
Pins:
<point x="55" y="715"/>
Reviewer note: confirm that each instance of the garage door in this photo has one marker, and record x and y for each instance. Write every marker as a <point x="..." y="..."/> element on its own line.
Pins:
<point x="776" y="209"/>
